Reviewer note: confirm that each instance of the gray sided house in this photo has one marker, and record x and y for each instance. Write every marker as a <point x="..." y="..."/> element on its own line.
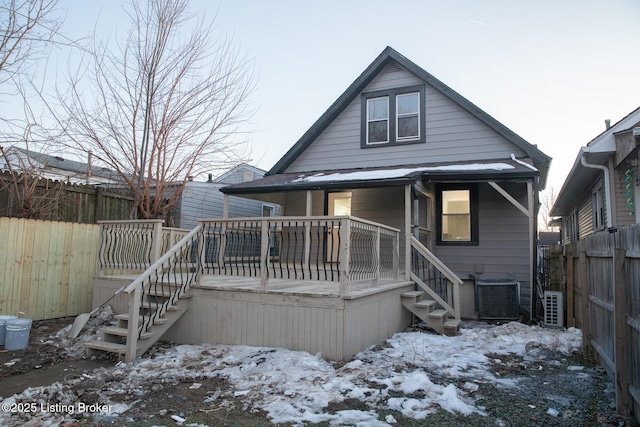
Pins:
<point x="201" y="200"/>
<point x="401" y="148"/>
<point x="603" y="186"/>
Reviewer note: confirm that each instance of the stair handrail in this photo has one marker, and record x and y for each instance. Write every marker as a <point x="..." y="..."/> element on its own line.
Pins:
<point x="135" y="293"/>
<point x="446" y="271"/>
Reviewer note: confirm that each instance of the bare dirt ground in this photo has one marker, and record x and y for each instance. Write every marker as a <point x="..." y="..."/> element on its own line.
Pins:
<point x="49" y="359"/>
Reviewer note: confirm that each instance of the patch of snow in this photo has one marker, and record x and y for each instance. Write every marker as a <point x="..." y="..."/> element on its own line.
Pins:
<point x="401" y="172"/>
<point x="297" y="387"/>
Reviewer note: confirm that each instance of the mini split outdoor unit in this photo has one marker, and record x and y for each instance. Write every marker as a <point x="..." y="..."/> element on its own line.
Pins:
<point x="553" y="309"/>
<point x="498" y="299"/>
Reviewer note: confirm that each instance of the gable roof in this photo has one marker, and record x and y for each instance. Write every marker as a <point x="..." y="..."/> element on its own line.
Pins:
<point x="75" y="169"/>
<point x="541" y="160"/>
<point x="228" y="177"/>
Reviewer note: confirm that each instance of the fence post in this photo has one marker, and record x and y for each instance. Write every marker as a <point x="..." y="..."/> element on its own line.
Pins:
<point x="621" y="332"/>
<point x="571" y="321"/>
<point x="584" y="303"/>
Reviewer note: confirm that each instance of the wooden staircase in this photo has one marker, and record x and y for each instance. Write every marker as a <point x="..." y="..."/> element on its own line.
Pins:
<point x="425" y="309"/>
<point x="114" y="338"/>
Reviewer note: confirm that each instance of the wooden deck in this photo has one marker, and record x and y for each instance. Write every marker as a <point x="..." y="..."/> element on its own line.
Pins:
<point x="302" y="315"/>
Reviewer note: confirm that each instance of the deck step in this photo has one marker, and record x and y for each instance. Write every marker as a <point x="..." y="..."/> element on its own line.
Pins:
<point x="425" y="303"/>
<point x="158" y="321"/>
<point x="153" y="305"/>
<point x="411" y="294"/>
<point x="438" y="314"/>
<point x="122" y="332"/>
<point x="165" y="294"/>
<point x="109" y="347"/>
<point x="450" y="327"/>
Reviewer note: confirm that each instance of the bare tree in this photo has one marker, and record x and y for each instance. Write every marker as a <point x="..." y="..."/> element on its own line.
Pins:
<point x="161" y="107"/>
<point x="28" y="28"/>
<point x="547" y="200"/>
<point x="30" y="194"/>
<point x="28" y="31"/>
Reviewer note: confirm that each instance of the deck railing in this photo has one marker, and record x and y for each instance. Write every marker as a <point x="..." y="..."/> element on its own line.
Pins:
<point x="435" y="278"/>
<point x="134" y="245"/>
<point x="337" y="249"/>
<point x="160" y="286"/>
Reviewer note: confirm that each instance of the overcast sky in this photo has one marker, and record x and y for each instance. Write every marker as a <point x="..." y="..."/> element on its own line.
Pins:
<point x="552" y="71"/>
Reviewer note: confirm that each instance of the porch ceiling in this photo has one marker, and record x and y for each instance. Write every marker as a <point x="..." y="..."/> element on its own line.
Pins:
<point x="497" y="170"/>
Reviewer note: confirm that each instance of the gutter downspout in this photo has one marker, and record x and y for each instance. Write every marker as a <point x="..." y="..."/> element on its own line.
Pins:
<point x="607" y="190"/>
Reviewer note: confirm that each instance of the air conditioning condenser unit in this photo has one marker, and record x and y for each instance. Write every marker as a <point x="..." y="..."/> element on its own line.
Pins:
<point x="553" y="309"/>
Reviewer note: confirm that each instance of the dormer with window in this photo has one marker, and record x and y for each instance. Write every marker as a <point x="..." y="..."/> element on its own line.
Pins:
<point x="393" y="117"/>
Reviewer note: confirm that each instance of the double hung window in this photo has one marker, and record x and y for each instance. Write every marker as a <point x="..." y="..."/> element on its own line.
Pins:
<point x="393" y="117"/>
<point x="457" y="215"/>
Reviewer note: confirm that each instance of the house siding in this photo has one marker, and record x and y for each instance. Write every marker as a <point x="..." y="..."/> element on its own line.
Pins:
<point x="503" y="245"/>
<point x="623" y="217"/>
<point x="452" y="134"/>
<point x="204" y="200"/>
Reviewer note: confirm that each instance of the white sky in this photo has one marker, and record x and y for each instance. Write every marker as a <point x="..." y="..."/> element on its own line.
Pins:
<point x="552" y="71"/>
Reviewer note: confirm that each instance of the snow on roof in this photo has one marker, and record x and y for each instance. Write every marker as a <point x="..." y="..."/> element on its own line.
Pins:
<point x="401" y="172"/>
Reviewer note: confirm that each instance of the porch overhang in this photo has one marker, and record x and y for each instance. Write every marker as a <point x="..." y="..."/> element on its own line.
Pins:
<point x="497" y="170"/>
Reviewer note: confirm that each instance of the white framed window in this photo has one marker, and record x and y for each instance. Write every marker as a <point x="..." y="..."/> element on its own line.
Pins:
<point x="268" y="210"/>
<point x="408" y="116"/>
<point x="378" y="120"/>
<point x="456" y="216"/>
<point x="597" y="209"/>
<point x="394" y="116"/>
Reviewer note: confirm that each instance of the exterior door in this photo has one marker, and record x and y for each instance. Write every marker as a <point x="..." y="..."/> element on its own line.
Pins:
<point x="338" y="204"/>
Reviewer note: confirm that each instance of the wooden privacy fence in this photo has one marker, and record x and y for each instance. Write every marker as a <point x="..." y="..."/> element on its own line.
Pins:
<point x="68" y="202"/>
<point x="46" y="268"/>
<point x="603" y="299"/>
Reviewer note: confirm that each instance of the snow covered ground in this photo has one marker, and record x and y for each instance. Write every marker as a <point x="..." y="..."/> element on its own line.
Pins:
<point x="296" y="387"/>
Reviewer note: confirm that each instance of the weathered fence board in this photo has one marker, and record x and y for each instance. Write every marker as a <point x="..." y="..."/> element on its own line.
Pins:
<point x="605" y="286"/>
<point x="46" y="268"/>
<point x="70" y="202"/>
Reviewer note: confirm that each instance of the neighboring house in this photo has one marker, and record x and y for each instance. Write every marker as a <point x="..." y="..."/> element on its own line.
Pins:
<point x="58" y="168"/>
<point x="201" y="200"/>
<point x="603" y="187"/>
<point x="401" y="148"/>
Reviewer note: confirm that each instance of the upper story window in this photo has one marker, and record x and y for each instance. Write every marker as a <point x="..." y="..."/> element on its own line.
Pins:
<point x="393" y="117"/>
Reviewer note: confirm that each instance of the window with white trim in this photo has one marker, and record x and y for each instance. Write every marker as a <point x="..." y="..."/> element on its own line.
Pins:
<point x="457" y="207"/>
<point x="597" y="207"/>
<point x="393" y="117"/>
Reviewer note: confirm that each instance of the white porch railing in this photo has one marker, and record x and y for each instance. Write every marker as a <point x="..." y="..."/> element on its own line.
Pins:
<point x="340" y="249"/>
<point x="435" y="278"/>
<point x="134" y="245"/>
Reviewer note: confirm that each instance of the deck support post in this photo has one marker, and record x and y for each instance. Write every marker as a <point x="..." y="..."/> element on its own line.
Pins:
<point x="407" y="232"/>
<point x="156" y="241"/>
<point x="307" y="231"/>
<point x="378" y="258"/>
<point x="345" y="240"/>
<point x="225" y="207"/>
<point x="132" y="325"/>
<point x="264" y="254"/>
